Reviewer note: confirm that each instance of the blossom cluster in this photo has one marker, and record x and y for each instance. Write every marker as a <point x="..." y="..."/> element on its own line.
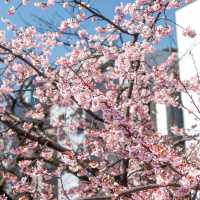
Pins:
<point x="87" y="111"/>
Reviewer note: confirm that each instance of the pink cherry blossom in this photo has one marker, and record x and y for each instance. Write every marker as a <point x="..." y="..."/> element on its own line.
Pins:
<point x="189" y="32"/>
<point x="77" y="102"/>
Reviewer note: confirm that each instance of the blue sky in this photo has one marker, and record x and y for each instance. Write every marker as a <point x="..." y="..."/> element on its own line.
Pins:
<point x="106" y="6"/>
<point x="24" y="15"/>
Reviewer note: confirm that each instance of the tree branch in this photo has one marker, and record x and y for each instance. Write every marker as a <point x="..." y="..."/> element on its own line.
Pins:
<point x="104" y="18"/>
<point x="23" y="59"/>
<point x="41" y="140"/>
<point x="133" y="190"/>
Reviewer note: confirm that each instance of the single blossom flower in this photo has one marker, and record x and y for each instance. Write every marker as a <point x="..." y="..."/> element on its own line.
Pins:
<point x="189" y="32"/>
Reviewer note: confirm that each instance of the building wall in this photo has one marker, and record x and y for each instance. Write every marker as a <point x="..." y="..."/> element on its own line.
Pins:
<point x="165" y="116"/>
<point x="189" y="64"/>
<point x="189" y="54"/>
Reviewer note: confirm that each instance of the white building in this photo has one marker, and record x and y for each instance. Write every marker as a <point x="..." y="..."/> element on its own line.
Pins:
<point x="165" y="116"/>
<point x="189" y="64"/>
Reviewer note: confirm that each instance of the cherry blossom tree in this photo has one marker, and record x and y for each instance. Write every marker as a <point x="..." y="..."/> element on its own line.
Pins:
<point x="101" y="89"/>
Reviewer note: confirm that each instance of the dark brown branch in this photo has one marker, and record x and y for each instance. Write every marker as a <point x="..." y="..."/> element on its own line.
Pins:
<point x="95" y="13"/>
<point x="146" y="187"/>
<point x="22" y="59"/>
<point x="41" y="140"/>
<point x="133" y="190"/>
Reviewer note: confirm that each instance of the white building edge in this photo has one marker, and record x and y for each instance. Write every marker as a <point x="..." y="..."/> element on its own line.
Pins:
<point x="189" y="64"/>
